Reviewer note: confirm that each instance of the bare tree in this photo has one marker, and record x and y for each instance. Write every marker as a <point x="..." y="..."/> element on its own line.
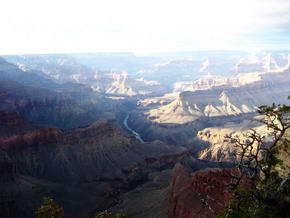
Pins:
<point x="261" y="187"/>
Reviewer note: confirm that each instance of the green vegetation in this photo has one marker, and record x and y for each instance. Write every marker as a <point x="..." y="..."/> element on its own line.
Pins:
<point x="106" y="214"/>
<point x="262" y="189"/>
<point x="49" y="209"/>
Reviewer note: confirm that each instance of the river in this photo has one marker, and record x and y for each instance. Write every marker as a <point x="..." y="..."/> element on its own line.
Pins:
<point x="136" y="134"/>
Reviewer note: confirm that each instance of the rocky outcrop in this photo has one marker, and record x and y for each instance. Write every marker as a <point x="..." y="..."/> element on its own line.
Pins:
<point x="200" y="194"/>
<point x="221" y="147"/>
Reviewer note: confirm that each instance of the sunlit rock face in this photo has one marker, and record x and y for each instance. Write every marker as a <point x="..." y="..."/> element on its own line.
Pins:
<point x="221" y="147"/>
<point x="225" y="99"/>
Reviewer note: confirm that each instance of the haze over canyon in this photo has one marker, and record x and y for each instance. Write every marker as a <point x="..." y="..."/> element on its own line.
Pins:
<point x="141" y="135"/>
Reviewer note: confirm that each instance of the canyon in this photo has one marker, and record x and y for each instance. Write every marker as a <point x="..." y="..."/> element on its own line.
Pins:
<point x="142" y="135"/>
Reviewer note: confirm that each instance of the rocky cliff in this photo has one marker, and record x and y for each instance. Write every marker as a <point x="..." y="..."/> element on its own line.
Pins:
<point x="199" y="194"/>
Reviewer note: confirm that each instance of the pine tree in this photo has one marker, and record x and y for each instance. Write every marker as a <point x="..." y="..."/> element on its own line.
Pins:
<point x="49" y="209"/>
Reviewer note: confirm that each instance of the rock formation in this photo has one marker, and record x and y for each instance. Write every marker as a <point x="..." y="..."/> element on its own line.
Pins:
<point x="224" y="100"/>
<point x="200" y="194"/>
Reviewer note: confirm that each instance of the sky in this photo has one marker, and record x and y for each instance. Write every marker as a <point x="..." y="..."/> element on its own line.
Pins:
<point x="142" y="26"/>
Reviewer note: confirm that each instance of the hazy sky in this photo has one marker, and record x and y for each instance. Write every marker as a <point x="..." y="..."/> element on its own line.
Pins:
<point x="141" y="26"/>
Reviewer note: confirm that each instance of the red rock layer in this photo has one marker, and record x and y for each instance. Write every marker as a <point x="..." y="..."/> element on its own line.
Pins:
<point x="15" y="131"/>
<point x="10" y="119"/>
<point x="31" y="138"/>
<point x="200" y="194"/>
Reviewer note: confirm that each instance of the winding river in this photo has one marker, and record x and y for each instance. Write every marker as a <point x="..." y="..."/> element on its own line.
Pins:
<point x="136" y="134"/>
